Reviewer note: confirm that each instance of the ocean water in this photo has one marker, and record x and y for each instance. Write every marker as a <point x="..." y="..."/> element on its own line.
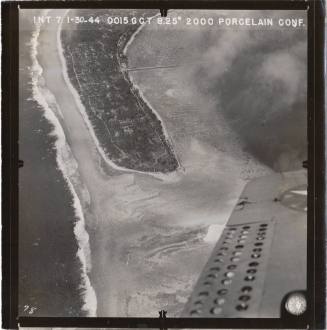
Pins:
<point x="51" y="269"/>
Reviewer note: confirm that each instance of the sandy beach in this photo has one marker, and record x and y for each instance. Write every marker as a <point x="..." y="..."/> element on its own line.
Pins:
<point x="45" y="247"/>
<point x="149" y="237"/>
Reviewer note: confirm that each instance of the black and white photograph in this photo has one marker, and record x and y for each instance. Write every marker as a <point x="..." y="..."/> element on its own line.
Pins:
<point x="164" y="163"/>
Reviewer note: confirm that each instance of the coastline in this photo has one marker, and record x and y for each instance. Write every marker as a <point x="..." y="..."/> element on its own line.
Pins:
<point x="68" y="166"/>
<point x="92" y="176"/>
<point x="170" y="140"/>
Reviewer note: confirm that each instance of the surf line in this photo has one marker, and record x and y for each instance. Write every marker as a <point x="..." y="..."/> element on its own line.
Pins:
<point x="45" y="99"/>
<point x="162" y="176"/>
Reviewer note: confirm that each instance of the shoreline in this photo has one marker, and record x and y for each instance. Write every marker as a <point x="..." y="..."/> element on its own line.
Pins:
<point x="169" y="139"/>
<point x="64" y="159"/>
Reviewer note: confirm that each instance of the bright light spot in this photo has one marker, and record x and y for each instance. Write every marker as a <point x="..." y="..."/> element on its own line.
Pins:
<point x="296" y="304"/>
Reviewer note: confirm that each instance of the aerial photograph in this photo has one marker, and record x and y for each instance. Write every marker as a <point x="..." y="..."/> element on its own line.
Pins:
<point x="164" y="162"/>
